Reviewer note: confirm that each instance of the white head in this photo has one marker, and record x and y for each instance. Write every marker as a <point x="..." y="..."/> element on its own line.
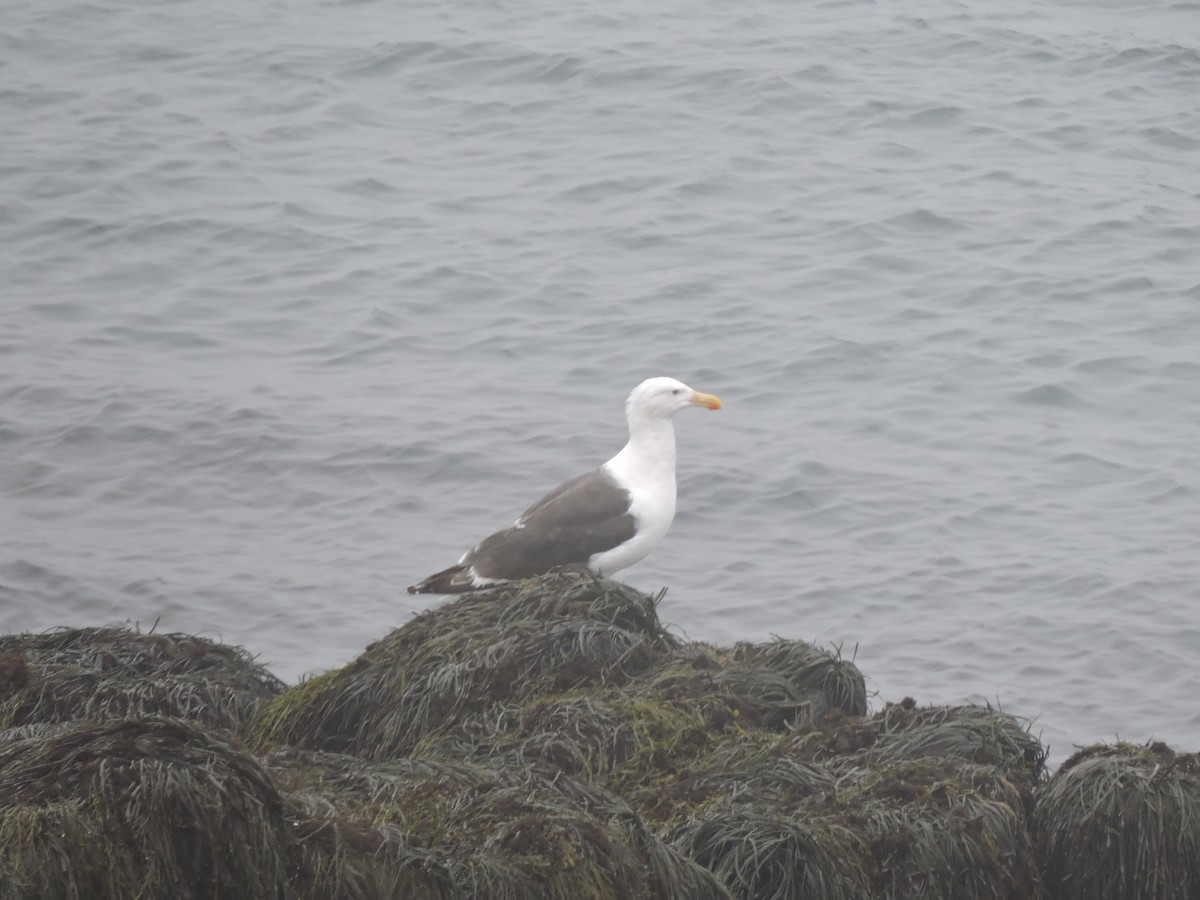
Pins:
<point x="661" y="398"/>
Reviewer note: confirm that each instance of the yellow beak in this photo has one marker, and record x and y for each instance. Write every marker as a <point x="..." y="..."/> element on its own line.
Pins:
<point x="699" y="399"/>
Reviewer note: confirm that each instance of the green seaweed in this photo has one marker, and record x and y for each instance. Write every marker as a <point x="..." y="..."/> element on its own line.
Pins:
<point x="1121" y="820"/>
<point x="977" y="734"/>
<point x="545" y="739"/>
<point x="761" y="855"/>
<point x="114" y="673"/>
<point x="446" y="665"/>
<point x="148" y="807"/>
<point x="471" y="830"/>
<point x="939" y="829"/>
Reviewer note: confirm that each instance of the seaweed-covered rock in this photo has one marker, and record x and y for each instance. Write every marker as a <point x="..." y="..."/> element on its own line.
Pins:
<point x="780" y="782"/>
<point x="939" y="829"/>
<point x="112" y="673"/>
<point x="597" y="735"/>
<point x="445" y="828"/>
<point x="976" y="734"/>
<point x="350" y="842"/>
<point x="1120" y="821"/>
<point x="546" y="635"/>
<point x="548" y="739"/>
<point x="816" y="680"/>
<point x="930" y="829"/>
<point x="150" y="808"/>
<point x="761" y="855"/>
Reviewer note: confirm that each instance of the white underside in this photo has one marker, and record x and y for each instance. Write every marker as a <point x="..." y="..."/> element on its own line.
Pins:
<point x="652" y="505"/>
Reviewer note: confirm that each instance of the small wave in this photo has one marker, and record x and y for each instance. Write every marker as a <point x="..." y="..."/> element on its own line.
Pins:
<point x="387" y="59"/>
<point x="924" y="220"/>
<point x="1054" y="395"/>
<point x="936" y="115"/>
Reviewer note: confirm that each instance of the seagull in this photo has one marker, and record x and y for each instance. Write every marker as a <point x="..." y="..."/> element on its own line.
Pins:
<point x="604" y="520"/>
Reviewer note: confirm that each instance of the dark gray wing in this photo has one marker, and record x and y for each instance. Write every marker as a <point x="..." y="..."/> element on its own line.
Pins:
<point x="581" y="517"/>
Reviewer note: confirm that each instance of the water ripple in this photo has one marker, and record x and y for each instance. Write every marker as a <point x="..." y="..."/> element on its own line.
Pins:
<point x="299" y="305"/>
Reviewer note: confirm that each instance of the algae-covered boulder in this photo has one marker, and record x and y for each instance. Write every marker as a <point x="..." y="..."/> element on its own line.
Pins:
<point x="760" y="854"/>
<point x="938" y="829"/>
<point x="464" y="659"/>
<point x="149" y="808"/>
<point x="976" y="734"/>
<point x="432" y="828"/>
<point x="810" y="682"/>
<point x="598" y="735"/>
<point x="111" y="673"/>
<point x="1118" y="822"/>
<point x="572" y="674"/>
<point x="352" y="842"/>
<point x="547" y="739"/>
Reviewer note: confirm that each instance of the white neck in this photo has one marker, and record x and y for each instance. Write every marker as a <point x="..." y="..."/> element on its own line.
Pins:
<point x="645" y="467"/>
<point x="651" y="447"/>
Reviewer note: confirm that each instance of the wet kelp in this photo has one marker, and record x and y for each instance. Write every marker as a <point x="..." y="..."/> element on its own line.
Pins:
<point x="1121" y="821"/>
<point x="927" y="828"/>
<point x="733" y="754"/>
<point x="438" y="828"/>
<point x="113" y="673"/>
<point x="819" y="680"/>
<point x="149" y="807"/>
<point x="977" y="734"/>
<point x="448" y="664"/>
<point x="939" y="828"/>
<point x="767" y="856"/>
<point x="548" y="739"/>
<point x="485" y="671"/>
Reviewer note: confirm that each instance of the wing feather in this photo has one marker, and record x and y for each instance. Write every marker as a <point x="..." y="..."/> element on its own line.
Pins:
<point x="581" y="517"/>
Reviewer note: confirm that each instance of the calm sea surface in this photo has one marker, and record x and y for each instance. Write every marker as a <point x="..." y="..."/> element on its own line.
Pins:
<point x="298" y="301"/>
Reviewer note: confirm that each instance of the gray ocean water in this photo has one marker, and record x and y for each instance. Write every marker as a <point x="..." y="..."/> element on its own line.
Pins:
<point x="299" y="300"/>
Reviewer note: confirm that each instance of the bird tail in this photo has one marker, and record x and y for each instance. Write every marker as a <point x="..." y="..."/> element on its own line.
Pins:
<point x="454" y="580"/>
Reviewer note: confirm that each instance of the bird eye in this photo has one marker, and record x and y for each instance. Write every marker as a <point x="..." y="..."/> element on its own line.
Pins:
<point x="676" y="391"/>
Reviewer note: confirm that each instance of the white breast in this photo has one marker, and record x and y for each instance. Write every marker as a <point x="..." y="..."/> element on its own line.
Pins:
<point x="652" y="492"/>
